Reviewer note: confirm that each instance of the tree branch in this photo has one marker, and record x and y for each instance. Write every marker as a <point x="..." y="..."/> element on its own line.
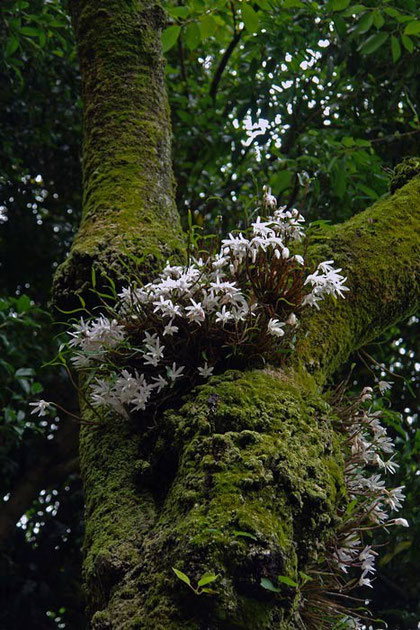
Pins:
<point x="378" y="251"/>
<point x="223" y="63"/>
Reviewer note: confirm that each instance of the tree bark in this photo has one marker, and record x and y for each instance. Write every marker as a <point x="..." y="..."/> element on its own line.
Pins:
<point x="128" y="185"/>
<point x="243" y="479"/>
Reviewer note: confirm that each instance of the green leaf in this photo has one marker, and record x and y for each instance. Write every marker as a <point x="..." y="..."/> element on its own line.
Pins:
<point x="170" y="36"/>
<point x="283" y="579"/>
<point x="378" y="19"/>
<point x="182" y="576"/>
<point x="11" y="46"/>
<point x="268" y="585"/>
<point x="280" y="181"/>
<point x="402" y="546"/>
<point x="292" y="4"/>
<point x="24" y="372"/>
<point x="42" y="38"/>
<point x="179" y="12"/>
<point x="207" y="578"/>
<point x="339" y="178"/>
<point x="245" y="535"/>
<point x="305" y="577"/>
<point x="208" y="26"/>
<point x="354" y="10"/>
<point x="340" y="26"/>
<point x="192" y="36"/>
<point x="36" y="388"/>
<point x="23" y="304"/>
<point x="57" y="24"/>
<point x="372" y="194"/>
<point x="392" y="12"/>
<point x="350" y="508"/>
<point x="407" y="43"/>
<point x="396" y="49"/>
<point x="364" y="23"/>
<point x="250" y="18"/>
<point x="412" y="28"/>
<point x="30" y="31"/>
<point x="373" y="43"/>
<point x="339" y="5"/>
<point x="264" y="4"/>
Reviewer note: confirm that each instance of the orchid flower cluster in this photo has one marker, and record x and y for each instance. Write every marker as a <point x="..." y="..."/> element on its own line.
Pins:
<point x="239" y="304"/>
<point x="236" y="307"/>
<point x="369" y="457"/>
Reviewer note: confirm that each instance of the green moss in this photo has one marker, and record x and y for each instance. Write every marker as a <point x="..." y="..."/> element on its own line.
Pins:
<point x="409" y="168"/>
<point x="128" y="185"/>
<point x="378" y="252"/>
<point x="117" y="514"/>
<point x="254" y="453"/>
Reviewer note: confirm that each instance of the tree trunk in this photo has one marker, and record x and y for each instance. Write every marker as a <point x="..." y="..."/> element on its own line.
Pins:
<point x="242" y="479"/>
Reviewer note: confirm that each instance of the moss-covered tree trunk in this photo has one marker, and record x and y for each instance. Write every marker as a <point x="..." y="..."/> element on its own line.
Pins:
<point x="249" y="453"/>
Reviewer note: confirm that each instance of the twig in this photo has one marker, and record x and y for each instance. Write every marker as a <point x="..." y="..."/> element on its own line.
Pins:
<point x="223" y="63"/>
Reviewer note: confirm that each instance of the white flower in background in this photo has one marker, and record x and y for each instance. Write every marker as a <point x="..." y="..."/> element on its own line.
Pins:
<point x="175" y="372"/>
<point x="160" y="382"/>
<point x="100" y="392"/>
<point x="154" y="352"/>
<point x="395" y="498"/>
<point x="205" y="371"/>
<point x="275" y="327"/>
<point x="365" y="581"/>
<point x="150" y="339"/>
<point x="40" y="407"/>
<point x="384" y="386"/>
<point x="292" y="320"/>
<point x="195" y="312"/>
<point x="81" y="361"/>
<point x="170" y="329"/>
<point x="369" y="446"/>
<point x="312" y="300"/>
<point x="326" y="281"/>
<point x="366" y="394"/>
<point x="96" y="336"/>
<point x="367" y="558"/>
<point x="262" y="228"/>
<point x="223" y="316"/>
<point x="268" y="199"/>
<point x="166" y="307"/>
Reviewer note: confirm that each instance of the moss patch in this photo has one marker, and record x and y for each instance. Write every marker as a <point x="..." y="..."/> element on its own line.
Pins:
<point x="259" y="474"/>
<point x="409" y="168"/>
<point x="128" y="184"/>
<point x="378" y="251"/>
